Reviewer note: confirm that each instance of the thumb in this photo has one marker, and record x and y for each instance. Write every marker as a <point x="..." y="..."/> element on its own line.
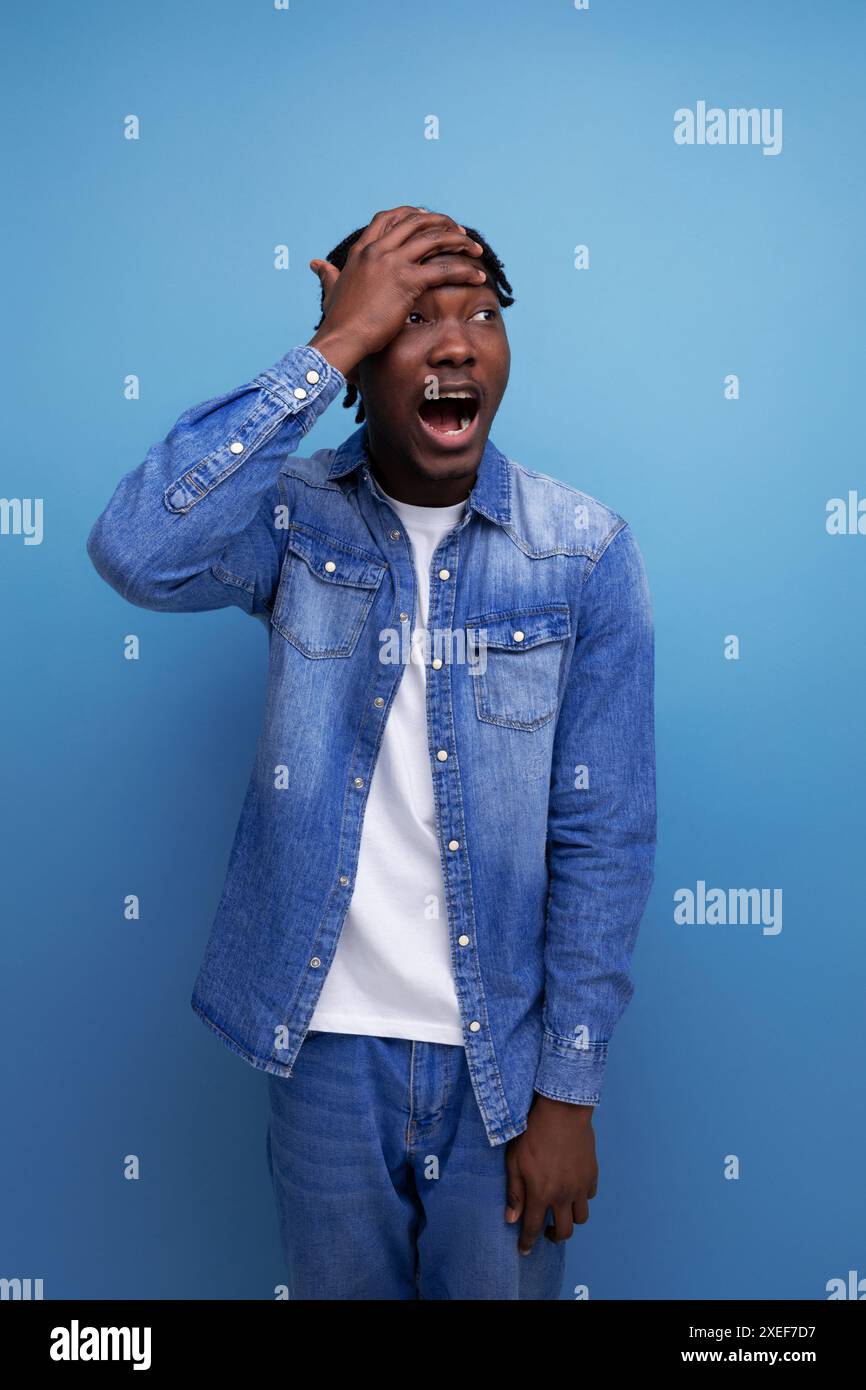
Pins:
<point x="328" y="274"/>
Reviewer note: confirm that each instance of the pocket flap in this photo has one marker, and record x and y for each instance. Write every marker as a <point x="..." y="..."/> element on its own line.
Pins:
<point x="523" y="627"/>
<point x="335" y="561"/>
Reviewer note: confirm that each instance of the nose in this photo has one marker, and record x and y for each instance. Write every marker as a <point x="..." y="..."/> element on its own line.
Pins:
<point x="452" y="346"/>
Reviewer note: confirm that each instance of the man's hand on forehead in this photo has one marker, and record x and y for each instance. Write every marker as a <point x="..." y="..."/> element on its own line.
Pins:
<point x="402" y="253"/>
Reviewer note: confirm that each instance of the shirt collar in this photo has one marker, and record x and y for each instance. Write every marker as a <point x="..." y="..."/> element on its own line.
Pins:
<point x="491" y="492"/>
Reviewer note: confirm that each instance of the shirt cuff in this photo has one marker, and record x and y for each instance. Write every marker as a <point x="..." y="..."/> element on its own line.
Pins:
<point x="305" y="381"/>
<point x="568" y="1071"/>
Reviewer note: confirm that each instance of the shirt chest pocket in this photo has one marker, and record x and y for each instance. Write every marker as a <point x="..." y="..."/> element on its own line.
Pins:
<point x="326" y="591"/>
<point x="514" y="660"/>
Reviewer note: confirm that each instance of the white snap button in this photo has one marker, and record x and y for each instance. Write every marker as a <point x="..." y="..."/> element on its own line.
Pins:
<point x="344" y="879"/>
<point x="453" y="844"/>
<point x="378" y="702"/>
<point x="315" y="962"/>
<point x="518" y="635"/>
<point x="404" y="617"/>
<point x="236" y="448"/>
<point x="359" y="781"/>
<point x="441" y="755"/>
<point x="312" y="377"/>
<point x="436" y="663"/>
<point x="330" y="566"/>
<point x="475" y="1026"/>
<point x="299" y="393"/>
<point x="463" y="941"/>
<point x="444" y="574"/>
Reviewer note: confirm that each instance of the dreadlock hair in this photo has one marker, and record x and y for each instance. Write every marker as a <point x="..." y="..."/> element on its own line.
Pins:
<point x="488" y="258"/>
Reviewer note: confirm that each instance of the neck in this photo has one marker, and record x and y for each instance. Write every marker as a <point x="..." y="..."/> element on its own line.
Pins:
<point x="401" y="478"/>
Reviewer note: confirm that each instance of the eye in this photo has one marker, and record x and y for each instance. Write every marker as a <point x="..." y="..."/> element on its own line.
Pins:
<point x="413" y="314"/>
<point x="492" y="312"/>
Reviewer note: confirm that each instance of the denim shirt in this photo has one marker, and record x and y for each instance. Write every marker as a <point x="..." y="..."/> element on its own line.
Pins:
<point x="539" y="725"/>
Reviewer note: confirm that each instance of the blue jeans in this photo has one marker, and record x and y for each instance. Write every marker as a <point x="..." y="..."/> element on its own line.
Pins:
<point x="386" y="1184"/>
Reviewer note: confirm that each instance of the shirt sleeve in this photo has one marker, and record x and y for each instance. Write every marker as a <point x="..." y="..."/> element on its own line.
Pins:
<point x="601" y="823"/>
<point x="197" y="524"/>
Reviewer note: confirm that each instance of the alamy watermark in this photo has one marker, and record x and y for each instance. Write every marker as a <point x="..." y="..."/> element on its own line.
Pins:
<point x="452" y="646"/>
<point x="22" y="516"/>
<point x="738" y="125"/>
<point x="711" y="907"/>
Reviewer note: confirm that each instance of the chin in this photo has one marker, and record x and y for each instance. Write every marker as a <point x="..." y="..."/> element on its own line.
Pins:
<point x="452" y="465"/>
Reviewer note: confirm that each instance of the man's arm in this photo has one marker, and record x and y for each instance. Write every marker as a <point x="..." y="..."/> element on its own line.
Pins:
<point x="601" y="850"/>
<point x="194" y="526"/>
<point x="601" y="824"/>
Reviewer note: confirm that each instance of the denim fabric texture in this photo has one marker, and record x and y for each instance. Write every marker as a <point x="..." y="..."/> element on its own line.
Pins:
<point x="541" y="749"/>
<point x="385" y="1184"/>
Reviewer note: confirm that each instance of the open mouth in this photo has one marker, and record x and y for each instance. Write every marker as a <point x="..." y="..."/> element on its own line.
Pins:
<point x="451" y="414"/>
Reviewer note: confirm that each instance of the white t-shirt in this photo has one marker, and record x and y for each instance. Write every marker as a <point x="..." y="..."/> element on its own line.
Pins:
<point x="391" y="975"/>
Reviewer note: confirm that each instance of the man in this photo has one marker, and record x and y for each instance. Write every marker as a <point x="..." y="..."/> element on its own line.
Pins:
<point x="447" y="842"/>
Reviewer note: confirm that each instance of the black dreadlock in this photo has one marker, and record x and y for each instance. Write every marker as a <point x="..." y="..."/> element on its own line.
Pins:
<point x="488" y="258"/>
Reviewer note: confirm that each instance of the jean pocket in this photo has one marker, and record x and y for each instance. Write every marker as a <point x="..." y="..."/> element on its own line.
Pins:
<point x="326" y="590"/>
<point x="517" y="657"/>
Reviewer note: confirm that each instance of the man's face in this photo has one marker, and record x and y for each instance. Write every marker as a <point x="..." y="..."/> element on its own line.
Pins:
<point x="456" y="335"/>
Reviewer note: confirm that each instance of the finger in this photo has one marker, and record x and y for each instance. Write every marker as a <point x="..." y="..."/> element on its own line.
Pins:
<point x="378" y="222"/>
<point x="449" y="270"/>
<point x="433" y="240"/>
<point x="389" y="218"/>
<point x="580" y="1211"/>
<point x="515" y="1191"/>
<point x="411" y="222"/>
<point x="533" y="1223"/>
<point x="563" y="1223"/>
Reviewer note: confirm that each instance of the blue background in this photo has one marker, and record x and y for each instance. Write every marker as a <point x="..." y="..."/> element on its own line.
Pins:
<point x="155" y="257"/>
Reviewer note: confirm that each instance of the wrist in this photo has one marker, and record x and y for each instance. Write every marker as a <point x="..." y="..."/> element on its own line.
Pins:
<point x="578" y="1112"/>
<point x="336" y="351"/>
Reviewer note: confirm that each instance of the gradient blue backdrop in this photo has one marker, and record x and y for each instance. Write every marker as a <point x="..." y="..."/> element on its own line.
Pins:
<point x="155" y="257"/>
